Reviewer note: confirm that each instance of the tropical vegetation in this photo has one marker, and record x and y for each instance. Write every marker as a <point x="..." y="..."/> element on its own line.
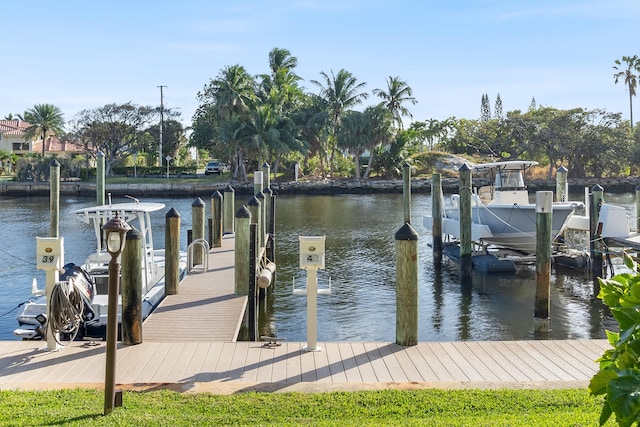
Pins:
<point x="334" y="130"/>
<point x="618" y="379"/>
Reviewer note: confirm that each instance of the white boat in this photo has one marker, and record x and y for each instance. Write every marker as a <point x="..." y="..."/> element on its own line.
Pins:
<point x="95" y="284"/>
<point x="501" y="213"/>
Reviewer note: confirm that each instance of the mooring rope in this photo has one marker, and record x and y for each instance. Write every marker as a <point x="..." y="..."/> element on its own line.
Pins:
<point x="65" y="310"/>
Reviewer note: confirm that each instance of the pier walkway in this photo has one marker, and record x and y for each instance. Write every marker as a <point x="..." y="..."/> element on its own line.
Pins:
<point x="205" y="308"/>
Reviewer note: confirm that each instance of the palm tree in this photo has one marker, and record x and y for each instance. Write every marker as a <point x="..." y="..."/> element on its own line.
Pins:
<point x="233" y="92"/>
<point x="45" y="120"/>
<point x="340" y="92"/>
<point x="630" y="79"/>
<point x="398" y="92"/>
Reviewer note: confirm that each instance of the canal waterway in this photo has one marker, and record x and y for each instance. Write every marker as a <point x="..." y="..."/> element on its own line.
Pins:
<point x="360" y="263"/>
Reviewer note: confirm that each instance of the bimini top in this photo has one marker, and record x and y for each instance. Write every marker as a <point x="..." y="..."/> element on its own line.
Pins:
<point x="126" y="211"/>
<point x="508" y="165"/>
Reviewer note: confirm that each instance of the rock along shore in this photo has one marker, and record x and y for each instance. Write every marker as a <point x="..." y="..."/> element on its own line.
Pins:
<point x="324" y="187"/>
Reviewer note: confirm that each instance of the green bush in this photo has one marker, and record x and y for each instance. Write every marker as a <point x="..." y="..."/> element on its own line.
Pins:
<point x="618" y="379"/>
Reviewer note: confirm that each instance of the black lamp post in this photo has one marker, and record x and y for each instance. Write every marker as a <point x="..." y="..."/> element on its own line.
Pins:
<point x="116" y="229"/>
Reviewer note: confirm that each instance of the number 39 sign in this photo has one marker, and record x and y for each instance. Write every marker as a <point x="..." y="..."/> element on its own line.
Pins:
<point x="49" y="253"/>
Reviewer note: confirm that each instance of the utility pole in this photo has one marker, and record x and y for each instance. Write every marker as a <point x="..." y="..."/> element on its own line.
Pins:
<point x="161" y="124"/>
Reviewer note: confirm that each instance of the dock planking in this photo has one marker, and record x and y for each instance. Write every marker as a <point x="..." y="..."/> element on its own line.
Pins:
<point x="205" y="308"/>
<point x="242" y="365"/>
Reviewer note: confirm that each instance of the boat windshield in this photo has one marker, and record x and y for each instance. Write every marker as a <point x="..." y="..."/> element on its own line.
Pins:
<point x="509" y="179"/>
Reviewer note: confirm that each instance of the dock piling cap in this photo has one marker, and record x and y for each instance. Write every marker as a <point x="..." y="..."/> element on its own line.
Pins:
<point x="406" y="232"/>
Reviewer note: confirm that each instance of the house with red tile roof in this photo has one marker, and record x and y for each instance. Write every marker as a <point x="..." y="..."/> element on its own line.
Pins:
<point x="12" y="139"/>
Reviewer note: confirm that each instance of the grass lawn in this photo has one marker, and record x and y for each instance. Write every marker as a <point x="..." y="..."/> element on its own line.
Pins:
<point x="368" y="408"/>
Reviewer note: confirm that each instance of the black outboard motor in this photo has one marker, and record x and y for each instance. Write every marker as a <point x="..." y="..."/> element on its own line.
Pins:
<point x="85" y="285"/>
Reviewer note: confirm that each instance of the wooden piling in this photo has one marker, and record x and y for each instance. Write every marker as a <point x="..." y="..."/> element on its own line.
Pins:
<point x="465" y="220"/>
<point x="268" y="195"/>
<point x="262" y="229"/>
<point x="271" y="247"/>
<point x="229" y="210"/>
<point x="257" y="182"/>
<point x="54" y="198"/>
<point x="436" y="215"/>
<point x="255" y="207"/>
<point x="406" y="286"/>
<point x="197" y="224"/>
<point x="638" y="209"/>
<point x="266" y="176"/>
<point x="131" y="328"/>
<point x="406" y="192"/>
<point x="100" y="178"/>
<point x="172" y="252"/>
<point x="595" y="246"/>
<point x="252" y="303"/>
<point x="216" y="220"/>
<point x="562" y="185"/>
<point x="243" y="225"/>
<point x="544" y="213"/>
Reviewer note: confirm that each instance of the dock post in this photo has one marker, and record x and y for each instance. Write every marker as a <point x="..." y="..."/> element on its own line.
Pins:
<point x="268" y="196"/>
<point x="52" y="275"/>
<point x="100" y="187"/>
<point x="197" y="224"/>
<point x="262" y="227"/>
<point x="465" y="220"/>
<point x="54" y="198"/>
<point x="255" y="207"/>
<point x="595" y="246"/>
<point x="216" y="220"/>
<point x="271" y="249"/>
<point x="406" y="192"/>
<point x="266" y="175"/>
<point x="252" y="302"/>
<point x="638" y="209"/>
<point x="132" y="289"/>
<point x="562" y="185"/>
<point x="436" y="215"/>
<point x="172" y="252"/>
<point x="243" y="225"/>
<point x="406" y="285"/>
<point x="229" y="209"/>
<point x="544" y="213"/>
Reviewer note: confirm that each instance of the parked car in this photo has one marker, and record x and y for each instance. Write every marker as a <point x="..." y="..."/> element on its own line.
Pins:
<point x="213" y="167"/>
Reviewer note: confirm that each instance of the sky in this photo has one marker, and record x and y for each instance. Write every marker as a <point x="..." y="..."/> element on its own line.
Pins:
<point x="85" y="54"/>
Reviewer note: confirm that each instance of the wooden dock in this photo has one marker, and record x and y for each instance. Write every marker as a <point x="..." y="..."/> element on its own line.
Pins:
<point x="190" y="345"/>
<point x="205" y="308"/>
<point x="227" y="367"/>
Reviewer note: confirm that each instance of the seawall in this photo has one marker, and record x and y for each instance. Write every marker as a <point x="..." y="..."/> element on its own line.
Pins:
<point x="326" y="187"/>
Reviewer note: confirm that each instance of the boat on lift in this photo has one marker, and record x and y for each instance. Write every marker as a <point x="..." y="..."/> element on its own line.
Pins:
<point x="92" y="278"/>
<point x="501" y="213"/>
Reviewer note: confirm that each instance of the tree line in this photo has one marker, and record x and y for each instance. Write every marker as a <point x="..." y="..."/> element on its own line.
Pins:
<point x="247" y="120"/>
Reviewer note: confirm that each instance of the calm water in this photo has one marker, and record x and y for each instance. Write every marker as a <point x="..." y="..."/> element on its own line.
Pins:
<point x="360" y="263"/>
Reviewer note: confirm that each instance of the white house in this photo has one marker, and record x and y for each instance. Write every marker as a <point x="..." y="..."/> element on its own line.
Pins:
<point x="12" y="137"/>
